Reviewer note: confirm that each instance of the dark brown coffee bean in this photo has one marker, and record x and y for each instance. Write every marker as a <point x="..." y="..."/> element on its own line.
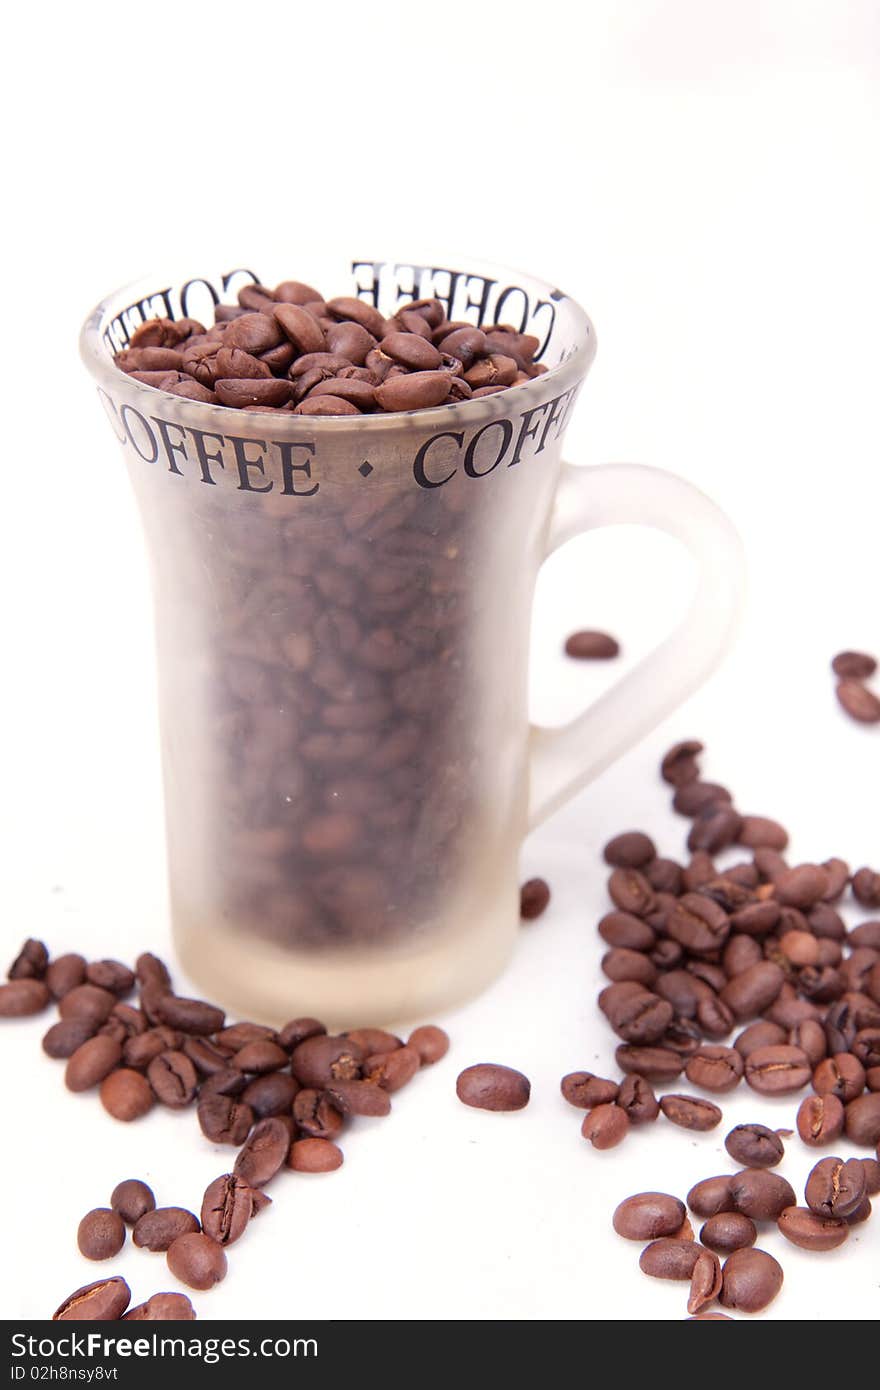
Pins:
<point x="488" y="1086"/>
<point x="865" y="934"/>
<point x="415" y="391"/>
<point x="197" y="1260"/>
<point x="669" y="1258"/>
<point x="694" y="798"/>
<point x="101" y="1234"/>
<point x="648" y="1215"/>
<point x="811" y="1232"/>
<point x="320" y="1059"/>
<point x="223" y="1119"/>
<point x="622" y="929"/>
<point x="711" y="1196"/>
<point x="87" y="1002"/>
<point x="862" y="1119"/>
<point x="64" y="974"/>
<point x="760" y="1194"/>
<point x="859" y="702"/>
<point x="110" y="974"/>
<point x="173" y="1079"/>
<point x="866" y="884"/>
<point x="162" y="1307"/>
<point x="757" y="919"/>
<point x="656" y="1063"/>
<point x="23" y="997"/>
<point x="631" y="892"/>
<point x="430" y="1042"/>
<point x="315" y="1115"/>
<point x="835" y="1187"/>
<point x="150" y="970"/>
<point x="533" y="898"/>
<point x="260" y="1057"/>
<point x="389" y="1070"/>
<point x="777" y="1071"/>
<point x="126" y="1094"/>
<point x="605" y="1126"/>
<point x="30" y="963"/>
<point x="642" y="1019"/>
<point x="64" y="1038"/>
<point x="158" y="1229"/>
<point x="698" y="924"/>
<point x="621" y="964"/>
<point x="857" y="665"/>
<point x="757" y="1035"/>
<point x="368" y="1098"/>
<point x="585" y="1090"/>
<point x="298" y="1030"/>
<point x="189" y="1015"/>
<point x="592" y="646"/>
<point x="757" y="832"/>
<point x="131" y="1199"/>
<point x="255" y="333"/>
<point x="270" y="1095"/>
<point x="314" y="1156"/>
<point x="139" y="1051"/>
<point x="753" y="990"/>
<point x="664" y="875"/>
<point x="679" y="765"/>
<point x="227" y="1207"/>
<point x="802" y="886"/>
<point x="871" y="1168"/>
<point x="714" y="829"/>
<point x="842" y="1076"/>
<point x="705" y="1281"/>
<point x="729" y="1231"/>
<point x="714" y="1068"/>
<point x="91" y="1062"/>
<point x="750" y="1280"/>
<point x="104" y="1301"/>
<point x="637" y="1100"/>
<point x="683" y="990"/>
<point x="690" y="1112"/>
<point x="820" y="1119"/>
<point x="631" y="850"/>
<point x="740" y="953"/>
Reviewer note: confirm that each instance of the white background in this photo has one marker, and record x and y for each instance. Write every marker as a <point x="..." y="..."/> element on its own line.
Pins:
<point x="703" y="178"/>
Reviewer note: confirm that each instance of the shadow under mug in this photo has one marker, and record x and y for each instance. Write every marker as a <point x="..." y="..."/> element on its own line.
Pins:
<point x="342" y="609"/>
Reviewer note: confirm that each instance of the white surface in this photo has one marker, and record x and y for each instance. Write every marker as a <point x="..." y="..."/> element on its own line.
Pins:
<point x="703" y="178"/>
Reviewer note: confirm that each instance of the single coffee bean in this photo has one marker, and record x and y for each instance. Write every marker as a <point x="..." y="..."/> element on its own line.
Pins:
<point x="857" y="665"/>
<point x="705" y="1281"/>
<point x="698" y="924"/>
<point x="139" y="1051"/>
<point x="314" y="1156"/>
<point x="811" y="1232"/>
<point x="859" y="702"/>
<point x="625" y="931"/>
<point x="862" y="1119"/>
<point x="621" y="964"/>
<point x="757" y="832"/>
<point x="162" y="1307"/>
<point x="809" y="1036"/>
<point x="87" y="1002"/>
<point x="389" y="1070"/>
<point x="30" y="963"/>
<point x="711" y="1196"/>
<point x="753" y="990"/>
<point x="695" y="798"/>
<point x="131" y="1199"/>
<point x="592" y="646"/>
<point x="641" y="1017"/>
<point x="533" y="898"/>
<point x="866" y="886"/>
<point x="488" y="1086"/>
<point x="777" y="1071"/>
<point x="871" y="1168"/>
<point x="320" y="1059"/>
<point x="101" y="1234"/>
<point x="750" y="1280"/>
<point x="63" y="1038"/>
<point x="715" y="1068"/>
<point x="159" y="1228"/>
<point x="714" y="829"/>
<point x="110" y="974"/>
<point x="270" y="1095"/>
<point x="820" y="1120"/>
<point x="757" y="1035"/>
<point x="126" y="1094"/>
<point x="21" y="998"/>
<point x="605" y="1126"/>
<point x="637" y="1100"/>
<point x="64" y="974"/>
<point x="197" y="1260"/>
<point x="802" y="886"/>
<point x="223" y="1119"/>
<point x="430" y="1042"/>
<point x="189" y="1015"/>
<point x="690" y="1112"/>
<point x="150" y="970"/>
<point x="227" y="1207"/>
<point x="237" y="1035"/>
<point x="648" y="1215"/>
<point x="631" y="892"/>
<point x="260" y="1057"/>
<point x="755" y="1146"/>
<point x="173" y="1078"/>
<point x="669" y="1258"/>
<point x="760" y="1194"/>
<point x="631" y="850"/>
<point x="729" y="1231"/>
<point x="660" y="1064"/>
<point x="584" y="1089"/>
<point x="264" y="1152"/>
<point x="835" y="1187"/>
<point x="91" y="1062"/>
<point x="842" y="1076"/>
<point x="679" y="764"/>
<point x="104" y="1301"/>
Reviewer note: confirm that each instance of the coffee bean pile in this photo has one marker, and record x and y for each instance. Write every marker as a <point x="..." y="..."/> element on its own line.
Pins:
<point x="281" y="1097"/>
<point x="288" y="349"/>
<point x="696" y="951"/>
<point x="732" y="1207"/>
<point x="852" y="670"/>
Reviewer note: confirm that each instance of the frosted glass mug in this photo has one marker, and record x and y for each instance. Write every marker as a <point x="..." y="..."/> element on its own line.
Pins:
<point x="342" y="614"/>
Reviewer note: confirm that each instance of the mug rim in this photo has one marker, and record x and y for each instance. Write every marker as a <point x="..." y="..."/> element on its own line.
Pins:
<point x="573" y="367"/>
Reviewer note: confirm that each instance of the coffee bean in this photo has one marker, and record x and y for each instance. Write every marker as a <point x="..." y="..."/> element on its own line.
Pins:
<point x="759" y="1035"/>
<point x="101" y="1234"/>
<point x="632" y="850"/>
<point x="389" y="1070"/>
<point x="866" y="887"/>
<point x="316" y="1116"/>
<point x="760" y="1194"/>
<point x="753" y="990"/>
<point x="430" y="1042"/>
<point x="750" y="1280"/>
<point x="104" y="1301"/>
<point x="631" y="892"/>
<point x="625" y="931"/>
<point x="859" y="702"/>
<point x="206" y="1058"/>
<point x="857" y="665"/>
<point x="189" y="1015"/>
<point x="698" y="924"/>
<point x="197" y="1260"/>
<point x="621" y="964"/>
<point x="162" y="1307"/>
<point x="669" y="1258"/>
<point x="320" y="1058"/>
<point x="648" y="1215"/>
<point x="705" y="1281"/>
<point x="533" y="899"/>
<point x="802" y="886"/>
<point x="755" y="1146"/>
<point x="270" y="1095"/>
<point x="777" y="1071"/>
<point x="87" y="1002"/>
<point x="62" y="1039"/>
<point x="728" y="1231"/>
<point x="131" y="1199"/>
<point x="656" y="1063"/>
<point x="757" y="832"/>
<point x="711" y="1196"/>
<point x="871" y="1168"/>
<point x="592" y="646"/>
<point x="223" y="1119"/>
<point x="260" y="1057"/>
<point x="679" y="764"/>
<point x="264" y="1152"/>
<point x="227" y="1207"/>
<point x="842" y="1076"/>
<point x="91" y="1062"/>
<point x="139" y="1051"/>
<point x="835" y="1187"/>
<point x="126" y="1094"/>
<point x="811" y="1232"/>
<point x="714" y="829"/>
<point x="605" y="1126"/>
<point x="23" y="997"/>
<point x="173" y="1079"/>
<point x="715" y="1068"/>
<point x="695" y="798"/>
<point x="584" y="1089"/>
<point x="637" y="1100"/>
<point x="110" y="974"/>
<point x="488" y="1086"/>
<point x="64" y="974"/>
<point x="158" y="1229"/>
<point x="690" y="1112"/>
<point x="861" y="1213"/>
<point x="862" y="1119"/>
<point x="30" y="963"/>
<point x="314" y="1156"/>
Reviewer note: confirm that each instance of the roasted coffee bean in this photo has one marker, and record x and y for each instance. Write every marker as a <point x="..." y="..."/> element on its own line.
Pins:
<point x="694" y="798"/>
<point x="866" y="884"/>
<point x="227" y="1207"/>
<point x="162" y="1307"/>
<point x="126" y="1094"/>
<point x="690" y="1112"/>
<point x="264" y="1152"/>
<point x="729" y="1231"/>
<point x="632" y="850"/>
<point x="197" y="1260"/>
<point x="488" y="1086"/>
<point x="64" y="974"/>
<point x="715" y="1068"/>
<point x="705" y="1281"/>
<point x="842" y="1076"/>
<point x="637" y="1100"/>
<point x="835" y="1187"/>
<point x="683" y="990"/>
<point x="750" y="1280"/>
<point x="22" y="997"/>
<point x="533" y="898"/>
<point x="131" y="1199"/>
<point x="871" y="1168"/>
<point x="802" y="886"/>
<point x="101" y="1234"/>
<point x="64" y="1038"/>
<point x="679" y="764"/>
<point x="857" y="665"/>
<point x="87" y="1002"/>
<point x="621" y="964"/>
<point x="158" y="1229"/>
<point x="711" y="1196"/>
<point x="865" y="934"/>
<point x="664" y="875"/>
<point x="430" y="1042"/>
<point x="91" y="1062"/>
<point x="740" y="954"/>
<point x="139" y="1051"/>
<point x="753" y="990"/>
<point x="656" y="1063"/>
<point x="110" y="974"/>
<point x="389" y="1070"/>
<point x="757" y="919"/>
<point x="297" y="1030"/>
<point x="777" y="1071"/>
<point x="315" y="1115"/>
<point x="223" y="1119"/>
<point x="413" y="391"/>
<point x="820" y="1119"/>
<point x="270" y="1095"/>
<point x="755" y="1146"/>
<point x="260" y="1057"/>
<point x="760" y="1194"/>
<point x="605" y="1126"/>
<point x="698" y="924"/>
<point x="189" y="1015"/>
<point x="757" y="832"/>
<point x="373" y="1041"/>
<point x="669" y="1258"/>
<point x="314" y="1156"/>
<point x="809" y="1036"/>
<point x="631" y="892"/>
<point x="623" y="930"/>
<point x="585" y="1090"/>
<point x="173" y="1079"/>
<point x="320" y="1058"/>
<point x="642" y="1018"/>
<point x="859" y="702"/>
<point x="150" y="970"/>
<point x="592" y="646"/>
<point x="104" y="1301"/>
<point x="206" y="1058"/>
<point x="757" y="1035"/>
<point x="648" y="1215"/>
<point x="862" y="1119"/>
<point x="30" y="963"/>
<point x="714" y="829"/>
<point x="810" y="1231"/>
<point x="861" y="1213"/>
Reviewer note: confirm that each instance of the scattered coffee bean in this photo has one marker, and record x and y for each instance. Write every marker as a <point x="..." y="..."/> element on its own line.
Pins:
<point x="23" y="997"/>
<point x="533" y="898"/>
<point x="859" y="702"/>
<point x="820" y="1120"/>
<point x="101" y="1234"/>
<point x="605" y="1126"/>
<point x="30" y="963"/>
<point x="264" y="1152"/>
<point x="711" y="1196"/>
<point x="760" y="1194"/>
<point x="197" y="1260"/>
<point x="104" y="1301"/>
<point x="162" y="1307"/>
<point x="488" y="1086"/>
<point x="584" y="1090"/>
<point x="835" y="1187"/>
<point x="810" y="1231"/>
<point x="126" y="1094"/>
<point x="227" y="1207"/>
<point x="728" y="1231"/>
<point x="705" y="1281"/>
<point x="755" y="1146"/>
<point x="591" y="646"/>
<point x="91" y="1062"/>
<point x="63" y="1038"/>
<point x="750" y="1280"/>
<point x="157" y="1229"/>
<point x="131" y="1199"/>
<point x="669" y="1258"/>
<point x="855" y="665"/>
<point x="637" y="1100"/>
<point x="648" y="1215"/>
<point x="777" y="1071"/>
<point x="314" y="1156"/>
<point x="691" y="1112"/>
<point x="173" y="1079"/>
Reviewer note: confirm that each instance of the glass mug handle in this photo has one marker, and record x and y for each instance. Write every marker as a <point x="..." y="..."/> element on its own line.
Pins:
<point x="564" y="760"/>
